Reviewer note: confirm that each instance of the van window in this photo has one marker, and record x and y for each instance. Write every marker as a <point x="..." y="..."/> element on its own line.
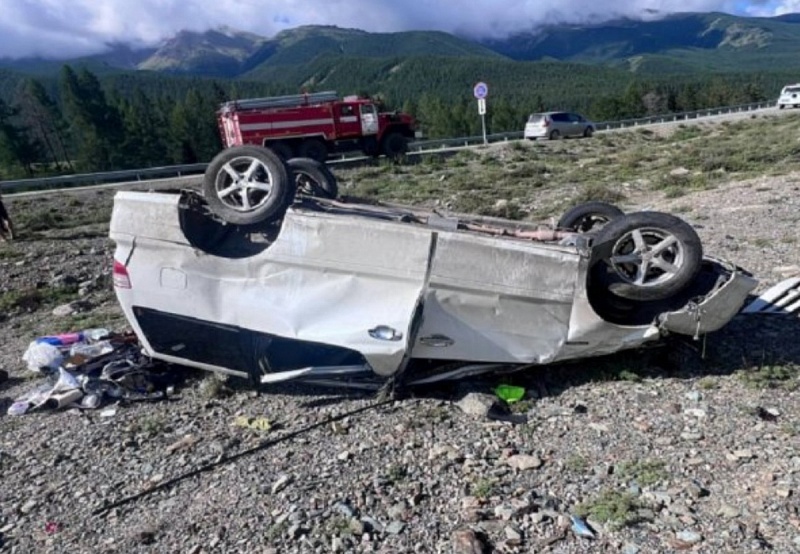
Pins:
<point x="560" y="117"/>
<point x="790" y="90"/>
<point x="535" y="118"/>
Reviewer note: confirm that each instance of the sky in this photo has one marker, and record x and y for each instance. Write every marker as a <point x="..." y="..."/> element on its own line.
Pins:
<point x="60" y="29"/>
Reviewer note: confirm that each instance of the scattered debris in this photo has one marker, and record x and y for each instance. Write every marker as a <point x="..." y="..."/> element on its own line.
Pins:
<point x="255" y="423"/>
<point x="581" y="528"/>
<point x="783" y="298"/>
<point x="183" y="443"/>
<point x="509" y="393"/>
<point x="768" y="414"/>
<point x="109" y="412"/>
<point x="87" y="368"/>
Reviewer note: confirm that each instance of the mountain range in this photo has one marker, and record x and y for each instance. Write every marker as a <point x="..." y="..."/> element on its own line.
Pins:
<point x="680" y="43"/>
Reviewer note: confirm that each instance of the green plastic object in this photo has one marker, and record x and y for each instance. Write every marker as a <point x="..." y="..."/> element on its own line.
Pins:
<point x="509" y="393"/>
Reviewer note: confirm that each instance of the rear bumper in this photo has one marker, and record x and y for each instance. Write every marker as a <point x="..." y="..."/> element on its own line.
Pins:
<point x="714" y="310"/>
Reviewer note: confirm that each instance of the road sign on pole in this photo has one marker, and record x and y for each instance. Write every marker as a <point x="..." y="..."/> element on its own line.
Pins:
<point x="481" y="91"/>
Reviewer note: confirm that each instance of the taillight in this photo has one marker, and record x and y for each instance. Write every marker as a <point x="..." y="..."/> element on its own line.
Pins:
<point x="121" y="278"/>
<point x="546" y="122"/>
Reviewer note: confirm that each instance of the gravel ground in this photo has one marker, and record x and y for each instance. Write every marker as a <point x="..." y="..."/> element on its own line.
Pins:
<point x="663" y="453"/>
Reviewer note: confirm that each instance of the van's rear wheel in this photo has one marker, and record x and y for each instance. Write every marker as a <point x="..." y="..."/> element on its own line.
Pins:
<point x="313" y="178"/>
<point x="555" y="135"/>
<point x="589" y="216"/>
<point x="245" y="185"/>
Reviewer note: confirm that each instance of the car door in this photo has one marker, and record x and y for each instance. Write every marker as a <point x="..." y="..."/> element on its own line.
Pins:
<point x="496" y="301"/>
<point x="575" y="125"/>
<point x="344" y="281"/>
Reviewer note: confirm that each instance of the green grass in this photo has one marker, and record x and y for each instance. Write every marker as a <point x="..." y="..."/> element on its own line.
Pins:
<point x="577" y="463"/>
<point x="771" y="376"/>
<point x="10" y="252"/>
<point x="483" y="488"/>
<point x="30" y="300"/>
<point x="616" y="509"/>
<point x="645" y="472"/>
<point x="708" y="383"/>
<point x="540" y="179"/>
<point x="149" y="425"/>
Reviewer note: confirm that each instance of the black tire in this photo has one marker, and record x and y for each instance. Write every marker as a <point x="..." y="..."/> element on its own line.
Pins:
<point x="554" y="134"/>
<point x="394" y="145"/>
<point x="589" y="216"/>
<point x="780" y="106"/>
<point x="281" y="149"/>
<point x="314" y="149"/>
<point x="245" y="185"/>
<point x="313" y="178"/>
<point x="647" y="256"/>
<point x="588" y="132"/>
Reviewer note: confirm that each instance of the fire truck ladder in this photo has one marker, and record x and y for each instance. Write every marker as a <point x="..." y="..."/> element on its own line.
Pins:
<point x="281" y="101"/>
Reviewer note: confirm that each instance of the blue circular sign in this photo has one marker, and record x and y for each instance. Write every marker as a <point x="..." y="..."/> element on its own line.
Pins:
<point x="481" y="90"/>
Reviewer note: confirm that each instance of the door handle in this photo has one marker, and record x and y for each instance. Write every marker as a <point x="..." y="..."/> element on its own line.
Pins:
<point x="437" y="341"/>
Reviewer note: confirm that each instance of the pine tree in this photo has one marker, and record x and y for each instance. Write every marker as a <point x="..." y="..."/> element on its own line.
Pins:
<point x="96" y="125"/>
<point x="16" y="147"/>
<point x="42" y="116"/>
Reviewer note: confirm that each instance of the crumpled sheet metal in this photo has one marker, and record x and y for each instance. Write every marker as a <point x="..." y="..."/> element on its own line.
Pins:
<point x="783" y="298"/>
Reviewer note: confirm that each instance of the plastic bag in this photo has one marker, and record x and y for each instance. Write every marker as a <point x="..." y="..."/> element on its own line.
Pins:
<point x="41" y="355"/>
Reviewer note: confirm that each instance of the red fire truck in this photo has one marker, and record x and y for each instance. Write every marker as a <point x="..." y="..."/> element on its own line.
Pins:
<point x="314" y="125"/>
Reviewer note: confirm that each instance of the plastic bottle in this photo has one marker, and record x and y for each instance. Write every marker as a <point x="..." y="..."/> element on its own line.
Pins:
<point x="95" y="335"/>
<point x="63" y="340"/>
<point x="90" y="350"/>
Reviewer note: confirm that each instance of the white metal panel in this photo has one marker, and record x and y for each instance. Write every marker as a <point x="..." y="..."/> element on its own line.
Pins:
<point x="311" y="284"/>
<point x="499" y="301"/>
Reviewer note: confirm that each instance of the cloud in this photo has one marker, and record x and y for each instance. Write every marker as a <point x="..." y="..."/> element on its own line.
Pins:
<point x="68" y="28"/>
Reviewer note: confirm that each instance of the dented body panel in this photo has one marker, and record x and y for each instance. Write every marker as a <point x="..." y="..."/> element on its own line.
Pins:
<point x="344" y="285"/>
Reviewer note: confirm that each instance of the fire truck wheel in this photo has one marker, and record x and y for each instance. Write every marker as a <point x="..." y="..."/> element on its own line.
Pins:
<point x="245" y="185"/>
<point x="281" y="149"/>
<point x="394" y="145"/>
<point x="313" y="178"/>
<point x="314" y="149"/>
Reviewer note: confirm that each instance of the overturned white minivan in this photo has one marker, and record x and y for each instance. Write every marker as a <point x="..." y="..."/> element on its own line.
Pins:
<point x="328" y="286"/>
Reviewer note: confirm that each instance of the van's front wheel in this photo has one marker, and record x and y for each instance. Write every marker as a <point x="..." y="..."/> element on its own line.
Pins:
<point x="245" y="185"/>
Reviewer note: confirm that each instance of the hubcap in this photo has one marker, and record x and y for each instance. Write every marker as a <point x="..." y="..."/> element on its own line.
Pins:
<point x="647" y="257"/>
<point x="244" y="184"/>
